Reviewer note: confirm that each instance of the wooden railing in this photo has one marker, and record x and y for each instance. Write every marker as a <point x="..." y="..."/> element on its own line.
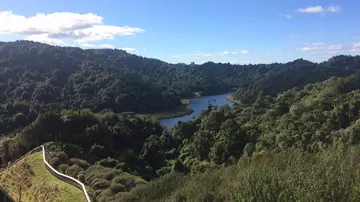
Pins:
<point x="57" y="174"/>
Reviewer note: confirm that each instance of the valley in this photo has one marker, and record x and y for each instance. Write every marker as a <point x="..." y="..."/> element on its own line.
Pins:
<point x="97" y="113"/>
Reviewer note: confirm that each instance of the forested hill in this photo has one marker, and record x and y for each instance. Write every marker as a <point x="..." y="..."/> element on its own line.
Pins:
<point x="43" y="90"/>
<point x="297" y="74"/>
<point x="35" y="77"/>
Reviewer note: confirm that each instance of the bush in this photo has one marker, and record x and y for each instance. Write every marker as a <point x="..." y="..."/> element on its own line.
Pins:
<point x="105" y="195"/>
<point x="100" y="184"/>
<point x="81" y="177"/>
<point x="163" y="171"/>
<point x="123" y="166"/>
<point x="55" y="162"/>
<point x="74" y="170"/>
<point x="117" y="187"/>
<point x="108" y="162"/>
<point x="97" y="171"/>
<point x="63" y="168"/>
<point x="61" y="155"/>
<point x="82" y="163"/>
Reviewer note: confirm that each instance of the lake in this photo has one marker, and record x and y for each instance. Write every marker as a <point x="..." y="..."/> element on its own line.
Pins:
<point x="198" y="104"/>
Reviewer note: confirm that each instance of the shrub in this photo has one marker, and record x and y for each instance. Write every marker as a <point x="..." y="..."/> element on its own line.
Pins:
<point x="117" y="187"/>
<point x="82" y="163"/>
<point x="74" y="170"/>
<point x="97" y="171"/>
<point x="55" y="162"/>
<point x="81" y="177"/>
<point x="63" y="168"/>
<point x="108" y="162"/>
<point x="123" y="166"/>
<point x="100" y="184"/>
<point x="106" y="195"/>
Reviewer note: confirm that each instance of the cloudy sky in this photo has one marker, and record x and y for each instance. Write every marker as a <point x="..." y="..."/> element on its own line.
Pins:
<point x="237" y="31"/>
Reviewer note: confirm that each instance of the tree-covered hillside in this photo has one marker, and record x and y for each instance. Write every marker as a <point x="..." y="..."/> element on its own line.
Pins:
<point x="296" y="74"/>
<point x="35" y="77"/>
<point x="85" y="106"/>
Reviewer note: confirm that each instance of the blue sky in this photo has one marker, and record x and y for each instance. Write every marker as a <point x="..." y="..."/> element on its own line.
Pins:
<point x="238" y="31"/>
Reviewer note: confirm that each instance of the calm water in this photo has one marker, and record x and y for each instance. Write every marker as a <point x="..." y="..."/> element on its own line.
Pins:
<point x="197" y="104"/>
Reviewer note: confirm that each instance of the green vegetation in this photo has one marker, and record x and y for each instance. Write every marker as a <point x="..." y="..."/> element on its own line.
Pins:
<point x="36" y="182"/>
<point x="291" y="135"/>
<point x="287" y="176"/>
<point x="276" y="78"/>
<point x="180" y="111"/>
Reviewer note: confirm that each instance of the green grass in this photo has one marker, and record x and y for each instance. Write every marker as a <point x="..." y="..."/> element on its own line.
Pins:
<point x="289" y="176"/>
<point x="37" y="183"/>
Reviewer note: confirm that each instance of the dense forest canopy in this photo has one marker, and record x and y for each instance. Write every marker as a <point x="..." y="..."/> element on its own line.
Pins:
<point x="85" y="106"/>
<point x="35" y="77"/>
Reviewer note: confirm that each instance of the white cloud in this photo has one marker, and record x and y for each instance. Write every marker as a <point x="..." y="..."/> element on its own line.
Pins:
<point x="217" y="56"/>
<point x="100" y="32"/>
<point x="54" y="27"/>
<point x="336" y="47"/>
<point x="199" y="53"/>
<point x="43" y="38"/>
<point x="319" y="9"/>
<point x="145" y="49"/>
<point x="333" y="9"/>
<point x="314" y="9"/>
<point x="229" y="53"/>
<point x="89" y="45"/>
<point x="129" y="49"/>
<point x="318" y="44"/>
<point x="107" y="46"/>
<point x="46" y="23"/>
<point x="321" y="48"/>
<point x="288" y="16"/>
<point x="310" y="48"/>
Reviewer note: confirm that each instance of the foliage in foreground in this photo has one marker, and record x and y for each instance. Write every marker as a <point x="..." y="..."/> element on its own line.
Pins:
<point x="332" y="175"/>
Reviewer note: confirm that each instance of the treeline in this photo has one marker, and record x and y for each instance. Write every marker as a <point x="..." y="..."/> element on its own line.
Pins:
<point x="35" y="77"/>
<point x="317" y="118"/>
<point x="298" y="73"/>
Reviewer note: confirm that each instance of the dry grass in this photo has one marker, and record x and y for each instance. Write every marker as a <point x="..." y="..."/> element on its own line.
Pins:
<point x="36" y="182"/>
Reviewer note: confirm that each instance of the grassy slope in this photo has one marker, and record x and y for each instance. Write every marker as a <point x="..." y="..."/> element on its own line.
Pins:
<point x="289" y="176"/>
<point x="38" y="183"/>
